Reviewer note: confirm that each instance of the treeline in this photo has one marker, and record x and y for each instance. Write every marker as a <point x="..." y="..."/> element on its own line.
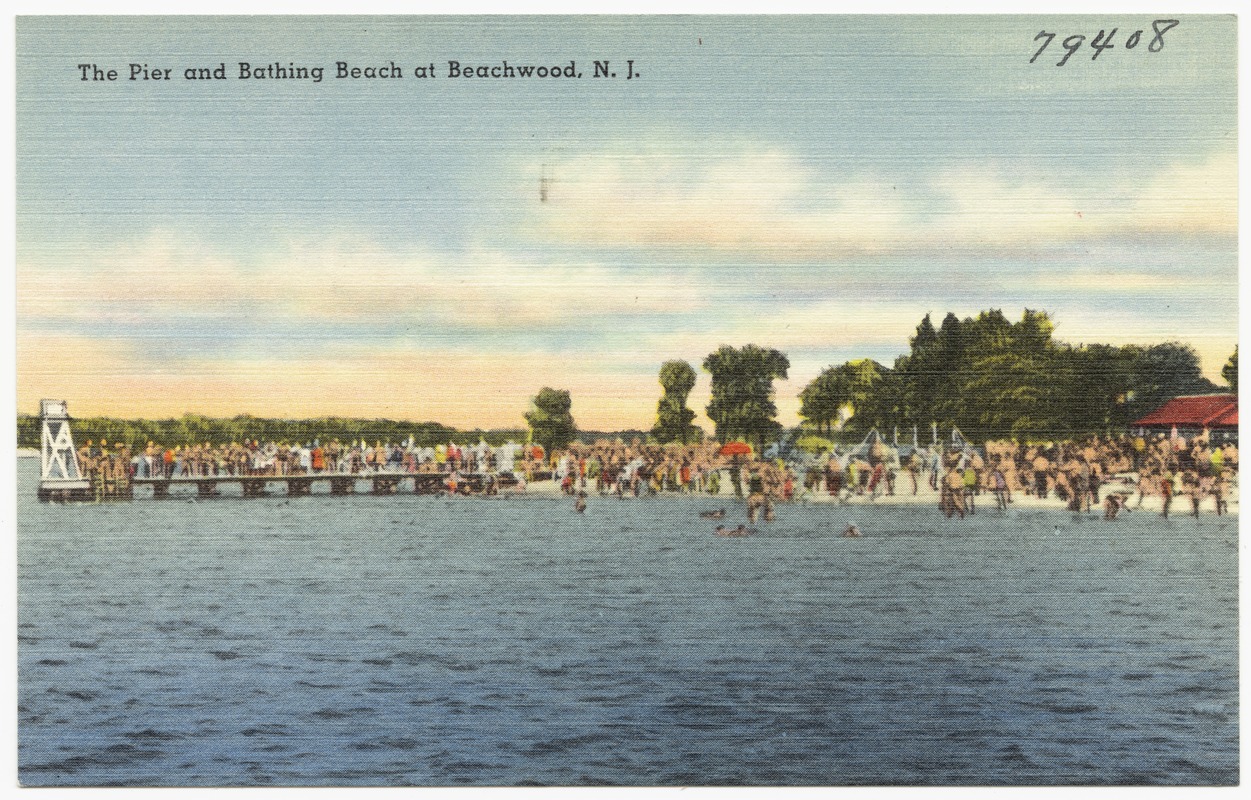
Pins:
<point x="987" y="376"/>
<point x="193" y="428"/>
<point x="993" y="379"/>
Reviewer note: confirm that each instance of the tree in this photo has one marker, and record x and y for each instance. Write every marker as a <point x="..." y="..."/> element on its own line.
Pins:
<point x="673" y="418"/>
<point x="551" y="423"/>
<point x="1230" y="371"/>
<point x="742" y="391"/>
<point x="926" y="335"/>
<point x="859" y="385"/>
<point x="870" y="397"/>
<point x="1164" y="371"/>
<point x="985" y="375"/>
<point x="993" y="378"/>
<point x="1103" y="385"/>
<point x="914" y="378"/>
<point x="822" y="400"/>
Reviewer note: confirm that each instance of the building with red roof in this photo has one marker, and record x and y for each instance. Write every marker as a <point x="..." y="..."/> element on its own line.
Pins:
<point x="1193" y="414"/>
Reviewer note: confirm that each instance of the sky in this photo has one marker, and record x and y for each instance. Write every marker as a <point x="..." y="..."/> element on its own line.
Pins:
<point x="440" y="249"/>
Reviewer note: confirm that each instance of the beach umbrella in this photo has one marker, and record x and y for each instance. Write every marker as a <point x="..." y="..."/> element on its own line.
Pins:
<point x="735" y="449"/>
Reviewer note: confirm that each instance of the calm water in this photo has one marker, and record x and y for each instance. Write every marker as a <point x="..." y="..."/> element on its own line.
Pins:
<point x="416" y="640"/>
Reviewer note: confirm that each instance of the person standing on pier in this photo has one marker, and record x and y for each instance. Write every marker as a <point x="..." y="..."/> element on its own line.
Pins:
<point x="151" y="457"/>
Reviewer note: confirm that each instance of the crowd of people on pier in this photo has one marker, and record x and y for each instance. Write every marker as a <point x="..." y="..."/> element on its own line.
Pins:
<point x="1076" y="472"/>
<point x="279" y="459"/>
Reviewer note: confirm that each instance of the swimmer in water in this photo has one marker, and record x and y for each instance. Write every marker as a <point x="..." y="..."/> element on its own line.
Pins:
<point x="719" y="514"/>
<point x="1113" y="504"/>
<point x="580" y="504"/>
<point x="851" y="531"/>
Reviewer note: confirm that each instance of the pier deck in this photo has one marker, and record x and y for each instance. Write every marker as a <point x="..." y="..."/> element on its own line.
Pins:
<point x="382" y="483"/>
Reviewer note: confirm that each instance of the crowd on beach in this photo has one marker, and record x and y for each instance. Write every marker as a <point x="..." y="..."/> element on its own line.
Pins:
<point x="1083" y="474"/>
<point x="1075" y="472"/>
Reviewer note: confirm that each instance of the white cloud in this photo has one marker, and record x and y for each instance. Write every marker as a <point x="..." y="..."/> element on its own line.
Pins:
<point x="172" y="279"/>
<point x="768" y="204"/>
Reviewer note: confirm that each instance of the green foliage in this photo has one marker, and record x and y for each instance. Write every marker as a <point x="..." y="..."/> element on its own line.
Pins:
<point x="550" y="420"/>
<point x="811" y="443"/>
<point x="992" y="378"/>
<point x="823" y="398"/>
<point x="673" y="418"/>
<point x="742" y="392"/>
<point x="28" y="431"/>
<point x="1230" y="371"/>
<point x="861" y="386"/>
<point x="192" y="428"/>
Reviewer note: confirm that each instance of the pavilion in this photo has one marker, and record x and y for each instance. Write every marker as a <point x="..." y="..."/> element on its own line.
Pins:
<point x="1191" y="415"/>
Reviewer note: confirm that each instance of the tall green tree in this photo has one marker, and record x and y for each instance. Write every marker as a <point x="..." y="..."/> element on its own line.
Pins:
<point x="872" y="395"/>
<point x="742" y="392"/>
<point x="1164" y="371"/>
<point x="994" y="378"/>
<point x="1230" y="371"/>
<point x="912" y="376"/>
<point x="673" y="418"/>
<point x="822" y="400"/>
<point x="550" y="419"/>
<point x="860" y="386"/>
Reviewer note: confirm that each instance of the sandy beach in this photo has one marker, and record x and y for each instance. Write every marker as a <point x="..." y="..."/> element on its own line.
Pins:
<point x="925" y="496"/>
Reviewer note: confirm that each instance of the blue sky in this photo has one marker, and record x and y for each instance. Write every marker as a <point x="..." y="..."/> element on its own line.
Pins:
<point x="813" y="184"/>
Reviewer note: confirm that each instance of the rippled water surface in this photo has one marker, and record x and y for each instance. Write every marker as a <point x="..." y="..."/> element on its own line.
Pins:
<point x="417" y="640"/>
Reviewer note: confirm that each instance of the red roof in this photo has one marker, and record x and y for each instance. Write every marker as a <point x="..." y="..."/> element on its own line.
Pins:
<point x="1227" y="420"/>
<point x="1195" y="411"/>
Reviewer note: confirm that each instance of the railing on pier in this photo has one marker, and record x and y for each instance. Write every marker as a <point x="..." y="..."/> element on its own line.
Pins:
<point x="62" y="478"/>
<point x="382" y="483"/>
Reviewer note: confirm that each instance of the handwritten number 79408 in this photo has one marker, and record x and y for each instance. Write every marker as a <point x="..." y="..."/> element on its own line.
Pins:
<point x="1103" y="40"/>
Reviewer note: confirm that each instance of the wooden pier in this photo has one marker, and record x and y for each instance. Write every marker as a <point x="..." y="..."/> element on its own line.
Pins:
<point x="63" y="479"/>
<point x="381" y="483"/>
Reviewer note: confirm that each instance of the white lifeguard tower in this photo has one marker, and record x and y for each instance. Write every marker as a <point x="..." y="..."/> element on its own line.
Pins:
<point x="60" y="477"/>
